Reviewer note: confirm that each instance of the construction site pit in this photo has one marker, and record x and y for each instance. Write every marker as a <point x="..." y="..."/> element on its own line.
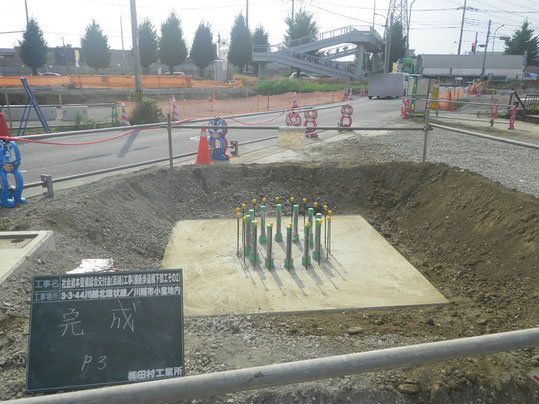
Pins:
<point x="473" y="240"/>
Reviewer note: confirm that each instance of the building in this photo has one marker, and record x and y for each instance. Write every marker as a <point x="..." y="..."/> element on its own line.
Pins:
<point x="498" y="67"/>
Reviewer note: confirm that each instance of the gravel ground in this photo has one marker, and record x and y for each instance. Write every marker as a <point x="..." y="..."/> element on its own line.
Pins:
<point x="515" y="167"/>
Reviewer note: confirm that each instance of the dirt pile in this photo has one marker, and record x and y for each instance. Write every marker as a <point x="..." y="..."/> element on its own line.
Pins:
<point x="473" y="239"/>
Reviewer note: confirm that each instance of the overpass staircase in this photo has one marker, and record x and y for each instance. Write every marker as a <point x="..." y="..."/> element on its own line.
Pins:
<point x="300" y="52"/>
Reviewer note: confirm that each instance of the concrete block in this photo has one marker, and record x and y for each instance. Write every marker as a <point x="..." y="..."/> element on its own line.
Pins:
<point x="363" y="271"/>
<point x="17" y="111"/>
<point x="69" y="112"/>
<point x="17" y="246"/>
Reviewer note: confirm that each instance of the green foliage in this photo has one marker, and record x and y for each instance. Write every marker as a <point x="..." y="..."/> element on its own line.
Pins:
<point x="303" y="25"/>
<point x="523" y="40"/>
<point x="172" y="48"/>
<point x="146" y="111"/>
<point x="203" y="51"/>
<point x="260" y="37"/>
<point x="398" y="43"/>
<point x="94" y="47"/>
<point x="260" y="40"/>
<point x="147" y="37"/>
<point x="239" y="53"/>
<point x="33" y="47"/>
<point x="297" y="86"/>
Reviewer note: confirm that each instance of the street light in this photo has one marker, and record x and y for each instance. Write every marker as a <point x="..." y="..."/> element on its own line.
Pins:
<point x="494" y="40"/>
<point x="408" y="29"/>
<point x="387" y="33"/>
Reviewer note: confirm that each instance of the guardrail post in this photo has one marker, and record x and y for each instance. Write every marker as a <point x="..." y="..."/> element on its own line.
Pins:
<point x="234" y="145"/>
<point x="47" y="183"/>
<point x="426" y="134"/>
<point x="169" y="129"/>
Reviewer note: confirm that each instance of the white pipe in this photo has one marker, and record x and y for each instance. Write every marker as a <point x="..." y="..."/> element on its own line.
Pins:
<point x="231" y="381"/>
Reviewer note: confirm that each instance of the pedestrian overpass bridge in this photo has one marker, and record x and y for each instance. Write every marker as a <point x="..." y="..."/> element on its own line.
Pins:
<point x="336" y="43"/>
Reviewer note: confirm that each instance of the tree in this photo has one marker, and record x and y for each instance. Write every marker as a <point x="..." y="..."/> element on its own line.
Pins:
<point x="239" y="53"/>
<point x="203" y="50"/>
<point x="260" y="41"/>
<point x="398" y="43"/>
<point x="147" y="38"/>
<point x="302" y="26"/>
<point x="172" y="48"/>
<point x="94" y="47"/>
<point x="34" y="49"/>
<point x="523" y="40"/>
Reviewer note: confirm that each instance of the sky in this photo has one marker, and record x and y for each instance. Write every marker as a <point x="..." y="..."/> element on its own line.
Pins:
<point x="435" y="24"/>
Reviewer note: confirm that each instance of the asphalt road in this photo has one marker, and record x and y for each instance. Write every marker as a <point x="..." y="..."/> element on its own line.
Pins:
<point x="62" y="161"/>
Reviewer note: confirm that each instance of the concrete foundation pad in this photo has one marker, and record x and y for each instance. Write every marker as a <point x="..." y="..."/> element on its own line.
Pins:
<point x="16" y="246"/>
<point x="363" y="271"/>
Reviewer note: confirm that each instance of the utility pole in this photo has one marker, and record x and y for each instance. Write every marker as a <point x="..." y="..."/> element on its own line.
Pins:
<point x="292" y="11"/>
<point x="136" y="51"/>
<point x="247" y="13"/>
<point x="486" y="50"/>
<point x="65" y="56"/>
<point x="462" y="25"/>
<point x="124" y="69"/>
<point x="408" y="30"/>
<point x="373" y="14"/>
<point x="387" y="59"/>
<point x="26" y="8"/>
<point x="218" y="45"/>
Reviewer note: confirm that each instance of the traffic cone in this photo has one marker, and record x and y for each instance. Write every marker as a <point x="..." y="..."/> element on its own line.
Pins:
<point x="175" y="112"/>
<point x="125" y="120"/>
<point x="4" y="130"/>
<point x="295" y="103"/>
<point x="203" y="156"/>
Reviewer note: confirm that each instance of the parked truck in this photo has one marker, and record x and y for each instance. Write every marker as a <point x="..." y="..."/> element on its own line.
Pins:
<point x="387" y="85"/>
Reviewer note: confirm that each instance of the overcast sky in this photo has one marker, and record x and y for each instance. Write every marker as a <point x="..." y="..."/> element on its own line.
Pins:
<point x="435" y="24"/>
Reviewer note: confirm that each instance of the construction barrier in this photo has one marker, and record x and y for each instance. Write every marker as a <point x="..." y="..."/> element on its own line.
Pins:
<point x="189" y="109"/>
<point x="451" y="94"/>
<point x="123" y="82"/>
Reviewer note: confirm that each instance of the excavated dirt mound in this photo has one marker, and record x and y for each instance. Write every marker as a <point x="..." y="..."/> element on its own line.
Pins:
<point x="474" y="240"/>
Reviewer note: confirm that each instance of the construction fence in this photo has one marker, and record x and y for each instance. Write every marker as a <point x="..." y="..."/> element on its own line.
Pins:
<point x="117" y="82"/>
<point x="456" y="93"/>
<point x="189" y="109"/>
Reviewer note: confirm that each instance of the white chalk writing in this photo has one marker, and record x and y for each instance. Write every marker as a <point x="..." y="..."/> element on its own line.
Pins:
<point x="70" y="323"/>
<point x="124" y="314"/>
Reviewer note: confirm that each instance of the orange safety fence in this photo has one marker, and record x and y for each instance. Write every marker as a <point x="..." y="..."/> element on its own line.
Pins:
<point x="190" y="109"/>
<point x="451" y="94"/>
<point x="216" y="84"/>
<point x="34" y="81"/>
<point x="103" y="81"/>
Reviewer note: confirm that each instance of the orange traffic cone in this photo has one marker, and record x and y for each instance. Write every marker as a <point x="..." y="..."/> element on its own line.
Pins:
<point x="125" y="120"/>
<point x="203" y="156"/>
<point x="175" y="112"/>
<point x="4" y="130"/>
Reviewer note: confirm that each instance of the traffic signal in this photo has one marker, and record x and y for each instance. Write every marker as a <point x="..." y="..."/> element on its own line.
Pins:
<point x="474" y="45"/>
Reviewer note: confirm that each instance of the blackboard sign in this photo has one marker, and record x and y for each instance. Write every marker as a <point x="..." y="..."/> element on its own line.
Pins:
<point x="105" y="328"/>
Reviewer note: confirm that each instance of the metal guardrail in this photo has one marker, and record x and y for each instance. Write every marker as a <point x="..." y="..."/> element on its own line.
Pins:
<point x="489" y="137"/>
<point x="205" y="385"/>
<point x="47" y="180"/>
<point x="164" y="124"/>
<point x="531" y="101"/>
